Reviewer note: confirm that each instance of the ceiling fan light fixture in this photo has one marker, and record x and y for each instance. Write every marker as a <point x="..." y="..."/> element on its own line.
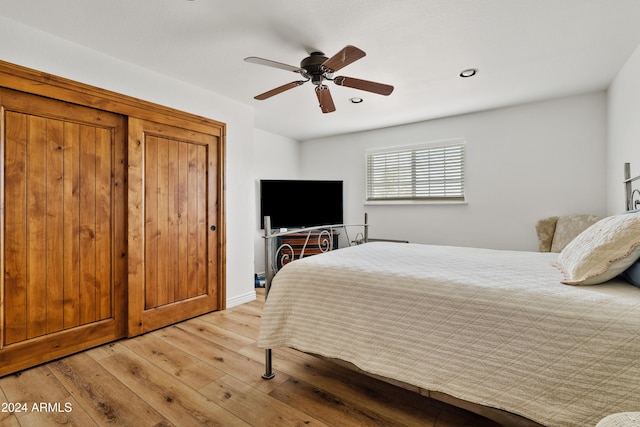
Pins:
<point x="469" y="72"/>
<point x="317" y="68"/>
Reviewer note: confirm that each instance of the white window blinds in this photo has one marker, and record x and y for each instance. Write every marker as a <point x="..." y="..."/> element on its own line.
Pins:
<point x="428" y="172"/>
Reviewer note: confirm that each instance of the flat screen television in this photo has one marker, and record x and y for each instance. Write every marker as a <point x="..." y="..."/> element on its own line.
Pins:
<point x="300" y="203"/>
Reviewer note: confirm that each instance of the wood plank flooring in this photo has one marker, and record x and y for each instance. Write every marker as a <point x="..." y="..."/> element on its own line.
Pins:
<point x="207" y="371"/>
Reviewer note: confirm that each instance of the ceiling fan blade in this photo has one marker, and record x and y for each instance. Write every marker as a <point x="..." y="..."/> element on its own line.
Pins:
<point x="280" y="89"/>
<point x="270" y="63"/>
<point x="325" y="99"/>
<point x="379" y="88"/>
<point x="346" y="56"/>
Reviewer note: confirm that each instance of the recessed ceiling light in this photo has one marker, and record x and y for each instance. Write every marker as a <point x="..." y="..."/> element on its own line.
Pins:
<point x="356" y="100"/>
<point x="469" y="72"/>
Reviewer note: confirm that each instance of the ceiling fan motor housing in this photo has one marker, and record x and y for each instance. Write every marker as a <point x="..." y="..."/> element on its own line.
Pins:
<point x="313" y="66"/>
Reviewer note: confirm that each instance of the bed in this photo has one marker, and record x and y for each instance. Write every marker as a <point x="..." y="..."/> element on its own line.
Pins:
<point x="524" y="338"/>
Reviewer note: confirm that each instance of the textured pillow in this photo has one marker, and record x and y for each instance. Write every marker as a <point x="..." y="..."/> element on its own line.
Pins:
<point x="632" y="274"/>
<point x="545" y="229"/>
<point x="568" y="227"/>
<point x="602" y="251"/>
<point x="621" y="419"/>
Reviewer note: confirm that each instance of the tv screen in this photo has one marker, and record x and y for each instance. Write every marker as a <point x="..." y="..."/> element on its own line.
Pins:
<point x="300" y="203"/>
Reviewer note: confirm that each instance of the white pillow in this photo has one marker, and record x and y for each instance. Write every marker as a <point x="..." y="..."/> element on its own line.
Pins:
<point x="602" y="251"/>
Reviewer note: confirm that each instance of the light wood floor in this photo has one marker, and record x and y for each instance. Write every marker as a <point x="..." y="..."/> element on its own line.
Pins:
<point x="207" y="371"/>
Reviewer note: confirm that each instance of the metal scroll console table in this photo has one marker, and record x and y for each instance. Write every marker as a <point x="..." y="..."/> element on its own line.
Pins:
<point x="320" y="237"/>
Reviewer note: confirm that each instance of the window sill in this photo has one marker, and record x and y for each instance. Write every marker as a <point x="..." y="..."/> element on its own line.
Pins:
<point x="415" y="202"/>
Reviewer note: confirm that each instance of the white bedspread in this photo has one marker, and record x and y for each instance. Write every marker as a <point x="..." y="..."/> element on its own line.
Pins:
<point x="492" y="327"/>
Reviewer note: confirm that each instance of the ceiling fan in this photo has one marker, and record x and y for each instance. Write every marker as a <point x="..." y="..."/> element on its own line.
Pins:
<point x="317" y="68"/>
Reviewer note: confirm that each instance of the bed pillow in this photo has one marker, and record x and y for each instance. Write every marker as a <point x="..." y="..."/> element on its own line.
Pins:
<point x="545" y="229"/>
<point x="632" y="274"/>
<point x="568" y="227"/>
<point x="602" y="251"/>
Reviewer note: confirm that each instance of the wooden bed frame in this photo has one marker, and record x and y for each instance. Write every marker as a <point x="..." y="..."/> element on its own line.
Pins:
<point x="286" y="254"/>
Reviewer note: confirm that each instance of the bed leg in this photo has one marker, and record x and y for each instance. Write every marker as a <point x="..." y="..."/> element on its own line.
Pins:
<point x="268" y="366"/>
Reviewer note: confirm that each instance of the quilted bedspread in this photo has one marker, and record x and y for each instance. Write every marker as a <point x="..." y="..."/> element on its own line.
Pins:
<point x="491" y="327"/>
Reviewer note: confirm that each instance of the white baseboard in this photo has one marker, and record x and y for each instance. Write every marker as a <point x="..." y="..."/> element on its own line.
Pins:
<point x="241" y="299"/>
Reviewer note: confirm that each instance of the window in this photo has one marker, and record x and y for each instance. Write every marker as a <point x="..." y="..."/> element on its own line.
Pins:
<point x="427" y="172"/>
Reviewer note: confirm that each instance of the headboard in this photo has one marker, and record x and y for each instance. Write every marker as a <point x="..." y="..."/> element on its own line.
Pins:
<point x="632" y="196"/>
<point x="279" y="252"/>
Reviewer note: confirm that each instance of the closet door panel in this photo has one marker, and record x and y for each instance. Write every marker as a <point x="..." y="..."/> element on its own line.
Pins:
<point x="173" y="261"/>
<point x="54" y="223"/>
<point x="71" y="249"/>
<point x="54" y="226"/>
<point x="59" y="235"/>
<point x="15" y="230"/>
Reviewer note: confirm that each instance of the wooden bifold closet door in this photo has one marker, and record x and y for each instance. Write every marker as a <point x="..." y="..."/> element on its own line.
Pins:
<point x="63" y="229"/>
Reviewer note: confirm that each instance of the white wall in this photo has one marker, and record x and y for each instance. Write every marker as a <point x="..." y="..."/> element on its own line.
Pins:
<point x="523" y="163"/>
<point x="274" y="157"/>
<point x="623" y="131"/>
<point x="32" y="48"/>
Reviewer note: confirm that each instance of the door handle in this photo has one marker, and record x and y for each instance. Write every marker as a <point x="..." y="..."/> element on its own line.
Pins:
<point x="213" y="228"/>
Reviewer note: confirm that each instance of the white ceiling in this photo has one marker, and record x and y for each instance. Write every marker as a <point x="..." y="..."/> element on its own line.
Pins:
<point x="526" y="50"/>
